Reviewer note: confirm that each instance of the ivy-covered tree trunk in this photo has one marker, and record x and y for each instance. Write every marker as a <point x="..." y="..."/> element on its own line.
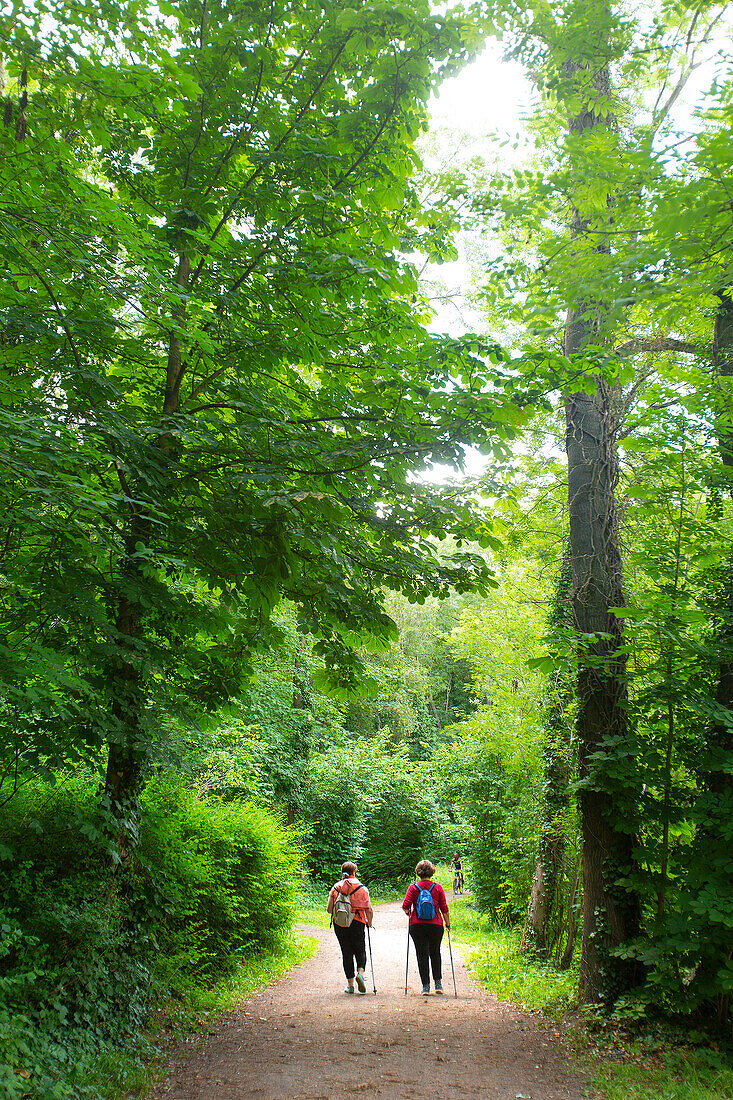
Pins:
<point x="721" y="779"/>
<point x="124" y="763"/>
<point x="610" y="914"/>
<point x="546" y="904"/>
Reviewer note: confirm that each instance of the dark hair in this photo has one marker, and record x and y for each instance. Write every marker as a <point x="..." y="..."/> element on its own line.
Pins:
<point x="348" y="868"/>
<point x="425" y="869"/>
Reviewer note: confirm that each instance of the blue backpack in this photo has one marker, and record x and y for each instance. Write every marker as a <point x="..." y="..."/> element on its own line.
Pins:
<point x="425" y="906"/>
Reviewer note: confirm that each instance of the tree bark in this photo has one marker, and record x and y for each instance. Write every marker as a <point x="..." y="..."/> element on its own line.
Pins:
<point x="539" y="912"/>
<point x="610" y="914"/>
<point x="656" y="343"/>
<point x="721" y="781"/>
<point x="126" y="754"/>
<point x="716" y="805"/>
<point x="572" y="926"/>
<point x="545" y="912"/>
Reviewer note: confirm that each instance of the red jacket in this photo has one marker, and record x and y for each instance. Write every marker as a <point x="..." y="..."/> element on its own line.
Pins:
<point x="439" y="900"/>
<point x="361" y="900"/>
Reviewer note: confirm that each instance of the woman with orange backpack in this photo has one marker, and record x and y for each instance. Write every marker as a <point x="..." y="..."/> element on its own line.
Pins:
<point x="426" y="905"/>
<point x="351" y="913"/>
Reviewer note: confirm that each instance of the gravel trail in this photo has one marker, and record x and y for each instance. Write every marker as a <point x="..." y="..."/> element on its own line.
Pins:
<point x="302" y="1038"/>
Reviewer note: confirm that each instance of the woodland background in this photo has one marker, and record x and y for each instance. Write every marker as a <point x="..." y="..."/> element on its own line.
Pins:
<point x="250" y="624"/>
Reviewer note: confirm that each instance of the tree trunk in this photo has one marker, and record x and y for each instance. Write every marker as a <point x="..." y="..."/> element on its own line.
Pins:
<point x="722" y="781"/>
<point x="127" y="753"/>
<point x="546" y="900"/>
<point x="539" y="912"/>
<point x="715" y="806"/>
<point x="572" y="930"/>
<point x="434" y="712"/>
<point x="302" y="682"/>
<point x="610" y="914"/>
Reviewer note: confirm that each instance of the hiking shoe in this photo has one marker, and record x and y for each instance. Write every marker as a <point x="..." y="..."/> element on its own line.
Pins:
<point x="349" y="989"/>
<point x="426" y="988"/>
<point x="438" y="987"/>
<point x="361" y="983"/>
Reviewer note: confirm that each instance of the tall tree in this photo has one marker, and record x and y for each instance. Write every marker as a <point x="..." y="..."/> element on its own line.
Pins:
<point x="544" y="924"/>
<point x="574" y="244"/>
<point x="610" y="916"/>
<point x="208" y="305"/>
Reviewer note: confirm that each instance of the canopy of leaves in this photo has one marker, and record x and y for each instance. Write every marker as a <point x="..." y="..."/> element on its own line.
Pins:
<point x="216" y="382"/>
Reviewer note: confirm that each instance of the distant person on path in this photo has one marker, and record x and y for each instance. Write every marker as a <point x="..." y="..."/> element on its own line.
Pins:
<point x="426" y="923"/>
<point x="456" y="866"/>
<point x="351" y="910"/>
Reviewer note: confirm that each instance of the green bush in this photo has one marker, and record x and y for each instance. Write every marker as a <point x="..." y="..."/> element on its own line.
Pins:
<point x="335" y="806"/>
<point x="365" y="799"/>
<point x="86" y="948"/>
<point x="403" y="827"/>
<point x="72" y="964"/>
<point x="226" y="872"/>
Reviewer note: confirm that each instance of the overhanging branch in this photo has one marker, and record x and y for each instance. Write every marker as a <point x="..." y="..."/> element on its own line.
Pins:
<point x="656" y="343"/>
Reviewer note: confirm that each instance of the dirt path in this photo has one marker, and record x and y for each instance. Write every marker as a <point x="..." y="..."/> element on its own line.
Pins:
<point x="304" y="1039"/>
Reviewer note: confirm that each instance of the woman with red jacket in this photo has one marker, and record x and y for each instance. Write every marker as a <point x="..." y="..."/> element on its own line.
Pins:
<point x="351" y="939"/>
<point x="427" y="931"/>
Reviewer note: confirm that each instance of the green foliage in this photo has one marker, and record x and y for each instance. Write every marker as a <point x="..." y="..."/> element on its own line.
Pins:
<point x="87" y="949"/>
<point x="495" y="959"/>
<point x="615" y="234"/>
<point x="311" y="902"/>
<point x="490" y="764"/>
<point x="352" y="792"/>
<point x="405" y="823"/>
<point x="227" y="873"/>
<point x="216" y="389"/>
<point x="689" y="1074"/>
<point x="368" y="801"/>
<point x="215" y="385"/>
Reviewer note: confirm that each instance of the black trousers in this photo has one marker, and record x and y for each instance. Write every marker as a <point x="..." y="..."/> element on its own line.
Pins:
<point x="427" y="939"/>
<point x="353" y="946"/>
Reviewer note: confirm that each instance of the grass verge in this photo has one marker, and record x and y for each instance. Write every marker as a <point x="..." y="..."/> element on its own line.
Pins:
<point x="492" y="955"/>
<point x="686" y="1074"/>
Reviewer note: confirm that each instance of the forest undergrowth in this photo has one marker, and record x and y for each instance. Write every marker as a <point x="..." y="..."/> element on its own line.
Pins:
<point x="101" y="969"/>
<point x="129" y="1071"/>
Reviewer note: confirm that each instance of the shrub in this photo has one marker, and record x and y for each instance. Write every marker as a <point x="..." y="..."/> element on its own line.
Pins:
<point x="226" y="873"/>
<point x="366" y="800"/>
<point x="335" y="806"/>
<point x="84" y="949"/>
<point x="404" y="827"/>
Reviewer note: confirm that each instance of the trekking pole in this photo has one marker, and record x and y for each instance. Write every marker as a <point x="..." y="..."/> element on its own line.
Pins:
<point x="371" y="959"/>
<point x="455" y="990"/>
<point x="407" y="960"/>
